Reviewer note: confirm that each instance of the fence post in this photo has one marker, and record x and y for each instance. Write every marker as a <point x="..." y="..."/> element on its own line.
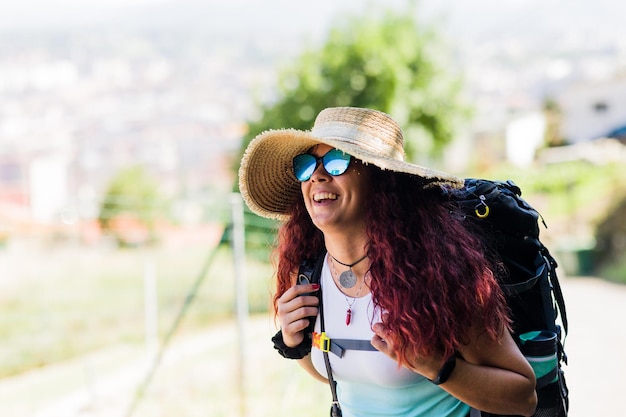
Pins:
<point x="151" y="310"/>
<point x="241" y="293"/>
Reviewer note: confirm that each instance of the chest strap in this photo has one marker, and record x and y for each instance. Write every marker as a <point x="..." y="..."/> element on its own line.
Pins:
<point x="339" y="346"/>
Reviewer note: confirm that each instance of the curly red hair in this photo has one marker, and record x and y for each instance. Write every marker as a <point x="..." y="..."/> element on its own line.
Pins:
<point x="429" y="271"/>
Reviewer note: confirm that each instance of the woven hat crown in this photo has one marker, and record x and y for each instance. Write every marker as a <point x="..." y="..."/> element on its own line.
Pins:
<point x="372" y="130"/>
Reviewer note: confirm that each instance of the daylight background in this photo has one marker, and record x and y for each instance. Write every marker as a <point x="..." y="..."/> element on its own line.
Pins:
<point x="121" y="124"/>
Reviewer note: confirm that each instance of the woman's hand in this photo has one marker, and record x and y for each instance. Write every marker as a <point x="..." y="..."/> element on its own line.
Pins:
<point x="296" y="309"/>
<point x="428" y="367"/>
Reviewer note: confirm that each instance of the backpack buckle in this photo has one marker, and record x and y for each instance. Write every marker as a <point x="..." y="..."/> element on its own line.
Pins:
<point x="321" y="341"/>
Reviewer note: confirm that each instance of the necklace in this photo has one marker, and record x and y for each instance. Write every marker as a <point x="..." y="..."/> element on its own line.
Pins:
<point x="350" y="304"/>
<point x="356" y="296"/>
<point x="347" y="279"/>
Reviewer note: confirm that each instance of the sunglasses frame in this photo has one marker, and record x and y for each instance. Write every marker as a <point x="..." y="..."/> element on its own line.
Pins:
<point x="322" y="159"/>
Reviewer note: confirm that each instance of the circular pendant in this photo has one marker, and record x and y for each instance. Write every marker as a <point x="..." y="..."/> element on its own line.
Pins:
<point x="347" y="279"/>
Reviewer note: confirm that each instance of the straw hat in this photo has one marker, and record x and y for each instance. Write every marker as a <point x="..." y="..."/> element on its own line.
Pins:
<point x="266" y="179"/>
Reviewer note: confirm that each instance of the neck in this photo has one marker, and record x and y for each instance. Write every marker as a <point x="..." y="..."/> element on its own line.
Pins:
<point x="348" y="250"/>
<point x="346" y="247"/>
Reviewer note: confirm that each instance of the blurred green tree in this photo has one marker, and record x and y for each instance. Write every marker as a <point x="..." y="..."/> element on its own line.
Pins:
<point x="131" y="205"/>
<point x="554" y="118"/>
<point x="384" y="60"/>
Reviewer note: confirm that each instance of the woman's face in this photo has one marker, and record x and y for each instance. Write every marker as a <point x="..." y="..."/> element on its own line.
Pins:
<point x="337" y="202"/>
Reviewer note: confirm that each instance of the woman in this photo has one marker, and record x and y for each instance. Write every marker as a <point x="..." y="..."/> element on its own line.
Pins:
<point x="400" y="270"/>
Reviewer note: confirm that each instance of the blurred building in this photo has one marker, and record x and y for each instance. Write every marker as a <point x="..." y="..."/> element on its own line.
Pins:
<point x="74" y="110"/>
<point x="592" y="110"/>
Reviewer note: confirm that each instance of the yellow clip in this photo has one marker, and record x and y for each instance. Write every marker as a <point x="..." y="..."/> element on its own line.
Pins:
<point x="482" y="205"/>
<point x="321" y="341"/>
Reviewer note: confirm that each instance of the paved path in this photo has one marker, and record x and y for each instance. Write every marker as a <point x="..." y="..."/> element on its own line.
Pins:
<point x="595" y="347"/>
<point x="199" y="373"/>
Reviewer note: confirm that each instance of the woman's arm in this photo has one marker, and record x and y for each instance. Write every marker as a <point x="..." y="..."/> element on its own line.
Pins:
<point x="494" y="376"/>
<point x="307" y="364"/>
<point x="491" y="375"/>
<point x="295" y="310"/>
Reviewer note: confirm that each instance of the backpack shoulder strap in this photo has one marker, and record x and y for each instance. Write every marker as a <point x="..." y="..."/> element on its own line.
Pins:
<point x="310" y="272"/>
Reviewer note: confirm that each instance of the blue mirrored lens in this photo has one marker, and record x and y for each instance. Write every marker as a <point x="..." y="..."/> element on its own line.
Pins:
<point x="335" y="162"/>
<point x="304" y="166"/>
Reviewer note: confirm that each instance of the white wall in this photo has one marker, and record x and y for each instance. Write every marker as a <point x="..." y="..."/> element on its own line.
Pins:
<point x="524" y="135"/>
<point x="584" y="117"/>
<point x="48" y="180"/>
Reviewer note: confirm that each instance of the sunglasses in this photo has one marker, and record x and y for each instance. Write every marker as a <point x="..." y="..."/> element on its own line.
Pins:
<point x="335" y="162"/>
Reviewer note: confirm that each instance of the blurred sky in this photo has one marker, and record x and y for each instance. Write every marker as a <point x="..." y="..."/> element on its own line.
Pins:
<point x="479" y="19"/>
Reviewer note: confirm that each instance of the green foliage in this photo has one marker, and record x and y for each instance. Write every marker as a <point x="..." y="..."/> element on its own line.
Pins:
<point x="384" y="60"/>
<point x="576" y="187"/>
<point x="610" y="239"/>
<point x="614" y="271"/>
<point x="553" y="114"/>
<point x="260" y="235"/>
<point x="134" y="197"/>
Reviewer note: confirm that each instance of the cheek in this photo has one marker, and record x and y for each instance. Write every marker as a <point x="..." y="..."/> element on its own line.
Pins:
<point x="304" y="191"/>
<point x="364" y="181"/>
<point x="362" y="189"/>
<point x="364" y="195"/>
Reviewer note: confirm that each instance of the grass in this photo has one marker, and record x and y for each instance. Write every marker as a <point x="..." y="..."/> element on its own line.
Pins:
<point x="71" y="318"/>
<point x="200" y="375"/>
<point x="60" y="303"/>
<point x="271" y="385"/>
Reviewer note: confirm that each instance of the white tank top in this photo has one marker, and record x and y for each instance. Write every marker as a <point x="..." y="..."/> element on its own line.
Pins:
<point x="369" y="383"/>
<point x="371" y="367"/>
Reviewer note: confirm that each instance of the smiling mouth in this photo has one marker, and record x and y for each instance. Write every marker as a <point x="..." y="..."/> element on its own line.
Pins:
<point x="324" y="196"/>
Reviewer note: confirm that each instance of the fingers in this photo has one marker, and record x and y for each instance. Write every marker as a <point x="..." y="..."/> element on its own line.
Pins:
<point x="296" y="309"/>
<point x="380" y="340"/>
<point x="297" y="298"/>
<point x="423" y="365"/>
<point x="302" y="289"/>
<point x="295" y="315"/>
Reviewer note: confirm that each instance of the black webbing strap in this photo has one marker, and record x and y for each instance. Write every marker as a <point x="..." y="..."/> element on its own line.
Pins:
<point x="312" y="272"/>
<point x="520" y="287"/>
<point x="560" y="301"/>
<point x="556" y="288"/>
<point x="335" y="410"/>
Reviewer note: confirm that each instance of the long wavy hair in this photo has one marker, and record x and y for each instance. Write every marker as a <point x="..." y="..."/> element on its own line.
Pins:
<point x="429" y="270"/>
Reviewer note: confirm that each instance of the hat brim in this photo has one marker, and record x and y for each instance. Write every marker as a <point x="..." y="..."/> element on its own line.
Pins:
<point x="267" y="182"/>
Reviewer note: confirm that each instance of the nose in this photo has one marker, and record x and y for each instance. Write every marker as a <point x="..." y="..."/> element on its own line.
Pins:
<point x="320" y="173"/>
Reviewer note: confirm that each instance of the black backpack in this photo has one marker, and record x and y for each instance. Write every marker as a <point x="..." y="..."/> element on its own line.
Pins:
<point x="510" y="228"/>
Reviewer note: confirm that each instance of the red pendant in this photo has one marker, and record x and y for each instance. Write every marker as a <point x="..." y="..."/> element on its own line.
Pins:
<point x="348" y="317"/>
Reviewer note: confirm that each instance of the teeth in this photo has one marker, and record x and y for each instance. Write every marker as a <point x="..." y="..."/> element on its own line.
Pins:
<point x="324" y="196"/>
